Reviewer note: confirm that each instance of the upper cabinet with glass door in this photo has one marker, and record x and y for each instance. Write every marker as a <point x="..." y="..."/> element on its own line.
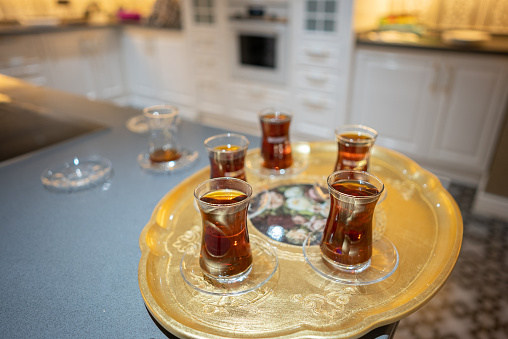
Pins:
<point x="320" y="16"/>
<point x="204" y="12"/>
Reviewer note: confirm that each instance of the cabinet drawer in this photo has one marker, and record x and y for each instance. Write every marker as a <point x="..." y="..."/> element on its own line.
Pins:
<point x="316" y="109"/>
<point x="316" y="78"/>
<point x="209" y="90"/>
<point x="207" y="64"/>
<point x="254" y="98"/>
<point x="319" y="53"/>
<point x="204" y="42"/>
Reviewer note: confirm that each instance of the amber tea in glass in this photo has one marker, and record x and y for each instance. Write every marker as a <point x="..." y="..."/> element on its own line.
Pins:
<point x="354" y="146"/>
<point x="225" y="247"/>
<point x="162" y="123"/>
<point x="347" y="238"/>
<point x="227" y="155"/>
<point x="275" y="145"/>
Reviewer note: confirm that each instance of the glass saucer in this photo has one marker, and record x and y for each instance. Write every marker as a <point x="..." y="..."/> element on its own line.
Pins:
<point x="137" y="124"/>
<point x="264" y="265"/>
<point x="384" y="262"/>
<point x="187" y="159"/>
<point x="78" y="174"/>
<point x="300" y="152"/>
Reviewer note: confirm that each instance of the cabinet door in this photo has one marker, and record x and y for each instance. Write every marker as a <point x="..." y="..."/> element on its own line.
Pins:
<point x="70" y="69"/>
<point x="474" y="89"/>
<point x="23" y="57"/>
<point x="174" y="68"/>
<point x="105" y="59"/>
<point x="140" y="52"/>
<point x="394" y="93"/>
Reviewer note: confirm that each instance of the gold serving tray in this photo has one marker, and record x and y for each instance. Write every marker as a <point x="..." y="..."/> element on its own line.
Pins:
<point x="418" y="216"/>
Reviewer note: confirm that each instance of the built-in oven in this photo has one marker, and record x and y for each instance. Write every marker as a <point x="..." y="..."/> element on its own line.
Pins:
<point x="259" y="47"/>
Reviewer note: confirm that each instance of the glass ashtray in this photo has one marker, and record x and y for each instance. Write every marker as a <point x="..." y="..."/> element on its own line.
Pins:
<point x="187" y="159"/>
<point x="300" y="152"/>
<point x="78" y="174"/>
<point x="383" y="263"/>
<point x="264" y="265"/>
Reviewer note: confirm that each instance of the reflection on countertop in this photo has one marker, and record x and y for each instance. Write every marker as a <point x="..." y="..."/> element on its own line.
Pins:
<point x="497" y="44"/>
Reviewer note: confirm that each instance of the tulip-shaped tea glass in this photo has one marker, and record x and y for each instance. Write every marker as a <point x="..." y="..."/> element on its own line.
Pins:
<point x="275" y="145"/>
<point x="347" y="250"/>
<point x="225" y="247"/>
<point x="354" y="145"/>
<point x="164" y="152"/>
<point x="228" y="260"/>
<point x="227" y="155"/>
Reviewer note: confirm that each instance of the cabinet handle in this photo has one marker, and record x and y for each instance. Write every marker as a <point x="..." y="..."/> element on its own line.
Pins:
<point x="257" y="92"/>
<point x="434" y="85"/>
<point x="317" y="77"/>
<point x="447" y="82"/>
<point x="150" y="45"/>
<point x="317" y="52"/>
<point x="314" y="102"/>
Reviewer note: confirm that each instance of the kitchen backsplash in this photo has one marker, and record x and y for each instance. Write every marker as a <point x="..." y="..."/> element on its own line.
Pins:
<point x="69" y="9"/>
<point x="488" y="15"/>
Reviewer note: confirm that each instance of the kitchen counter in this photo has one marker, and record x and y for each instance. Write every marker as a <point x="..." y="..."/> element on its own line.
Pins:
<point x="13" y="28"/>
<point x="69" y="262"/>
<point x="498" y="45"/>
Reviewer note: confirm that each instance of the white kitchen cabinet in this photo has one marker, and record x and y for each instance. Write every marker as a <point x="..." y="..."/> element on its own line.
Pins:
<point x="106" y="63"/>
<point x="158" y="68"/>
<point x="204" y="23"/>
<point x="142" y="62"/>
<point x="174" y="68"/>
<point x="85" y="62"/>
<point x="441" y="108"/>
<point x="394" y="93"/>
<point x="322" y="54"/>
<point x="23" y="57"/>
<point x="70" y="69"/>
<point x="474" y="92"/>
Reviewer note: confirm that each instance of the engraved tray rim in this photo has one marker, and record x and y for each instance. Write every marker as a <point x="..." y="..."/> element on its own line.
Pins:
<point x="428" y="187"/>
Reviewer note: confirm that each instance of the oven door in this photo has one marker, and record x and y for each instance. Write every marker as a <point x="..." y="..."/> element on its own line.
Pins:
<point x="259" y="51"/>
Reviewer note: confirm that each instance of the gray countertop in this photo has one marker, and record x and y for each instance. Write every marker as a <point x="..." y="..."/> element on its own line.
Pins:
<point x="12" y="28"/>
<point x="69" y="262"/>
<point x="497" y="45"/>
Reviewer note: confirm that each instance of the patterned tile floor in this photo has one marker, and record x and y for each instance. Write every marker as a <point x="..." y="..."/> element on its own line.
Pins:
<point x="473" y="304"/>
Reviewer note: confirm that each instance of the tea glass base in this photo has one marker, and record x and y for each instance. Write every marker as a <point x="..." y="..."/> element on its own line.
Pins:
<point x="300" y="154"/>
<point x="78" y="174"/>
<point x="347" y="268"/>
<point x="264" y="266"/>
<point x="232" y="279"/>
<point x="187" y="159"/>
<point x="383" y="263"/>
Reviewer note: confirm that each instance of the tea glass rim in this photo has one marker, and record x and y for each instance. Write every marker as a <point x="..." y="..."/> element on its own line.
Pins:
<point x="277" y="111"/>
<point x="372" y="133"/>
<point x="225" y="179"/>
<point x="356" y="173"/>
<point x="167" y="111"/>
<point x="227" y="135"/>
